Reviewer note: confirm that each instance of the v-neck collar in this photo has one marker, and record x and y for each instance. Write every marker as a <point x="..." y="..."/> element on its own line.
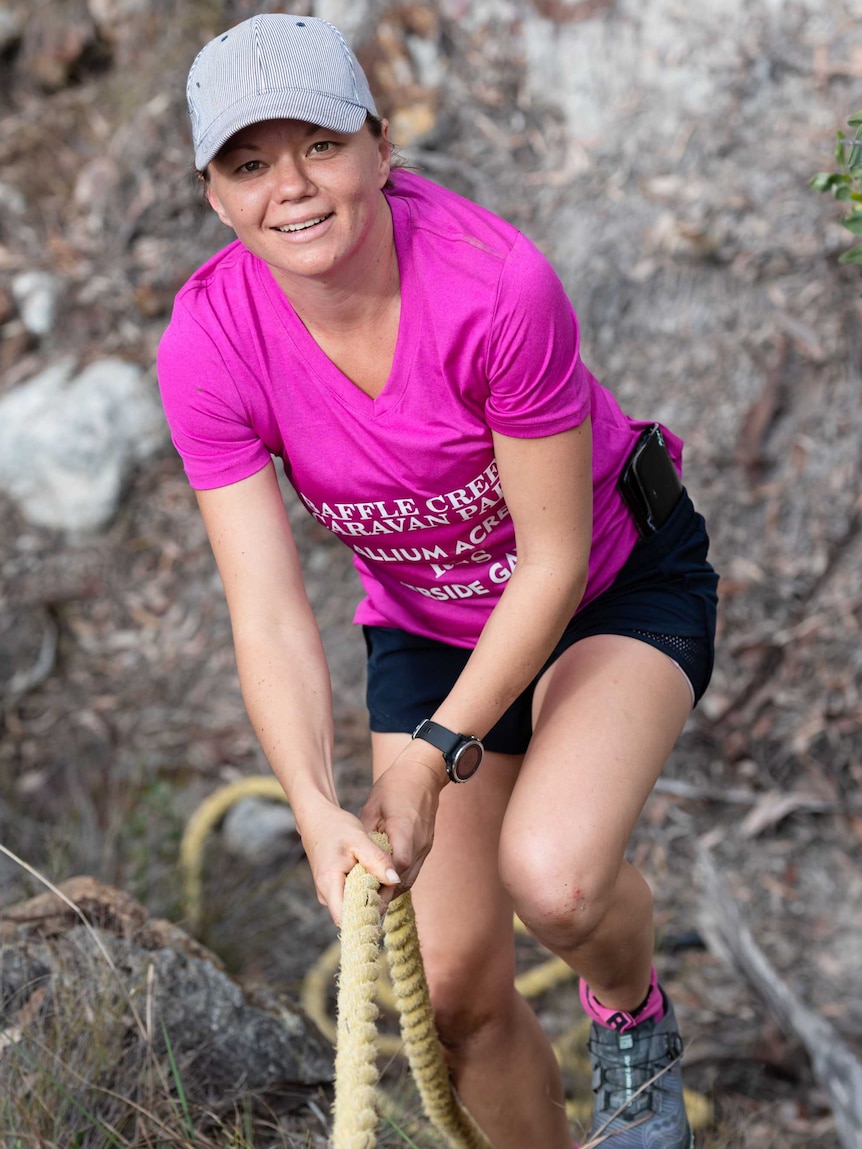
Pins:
<point x="320" y="366"/>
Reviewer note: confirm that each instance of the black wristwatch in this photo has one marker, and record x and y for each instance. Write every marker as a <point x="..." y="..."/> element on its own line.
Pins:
<point x="462" y="753"/>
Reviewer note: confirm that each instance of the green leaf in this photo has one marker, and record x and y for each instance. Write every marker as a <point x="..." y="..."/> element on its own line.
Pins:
<point x="854" y="255"/>
<point x="842" y="193"/>
<point x="402" y="1133"/>
<point x="853" y="223"/>
<point x="827" y="181"/>
<point x="178" y="1082"/>
<point x="855" y="120"/>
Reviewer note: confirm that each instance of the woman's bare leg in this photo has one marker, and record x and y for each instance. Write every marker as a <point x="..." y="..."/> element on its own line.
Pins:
<point x="606" y="717"/>
<point x="501" y="1061"/>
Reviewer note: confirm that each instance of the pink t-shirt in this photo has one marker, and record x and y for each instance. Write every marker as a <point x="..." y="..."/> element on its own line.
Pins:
<point x="487" y="341"/>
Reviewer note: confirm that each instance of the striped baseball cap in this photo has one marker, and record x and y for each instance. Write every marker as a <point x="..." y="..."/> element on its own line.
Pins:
<point x="274" y="67"/>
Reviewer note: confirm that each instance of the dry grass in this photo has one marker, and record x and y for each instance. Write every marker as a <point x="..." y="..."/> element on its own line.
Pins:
<point x="83" y="1065"/>
<point x="82" y="1074"/>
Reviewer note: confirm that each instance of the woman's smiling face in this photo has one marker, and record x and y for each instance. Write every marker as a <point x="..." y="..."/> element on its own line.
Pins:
<point x="302" y="198"/>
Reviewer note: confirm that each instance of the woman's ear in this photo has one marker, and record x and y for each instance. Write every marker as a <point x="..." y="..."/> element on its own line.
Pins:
<point x="213" y="200"/>
<point x="384" y="147"/>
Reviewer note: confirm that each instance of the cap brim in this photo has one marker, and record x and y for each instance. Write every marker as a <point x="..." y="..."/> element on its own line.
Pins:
<point x="311" y="107"/>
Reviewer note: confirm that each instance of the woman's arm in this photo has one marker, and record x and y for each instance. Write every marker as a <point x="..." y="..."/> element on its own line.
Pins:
<point x="548" y="488"/>
<point x="283" y="673"/>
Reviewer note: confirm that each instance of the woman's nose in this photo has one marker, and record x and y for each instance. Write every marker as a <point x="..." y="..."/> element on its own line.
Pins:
<point x="293" y="181"/>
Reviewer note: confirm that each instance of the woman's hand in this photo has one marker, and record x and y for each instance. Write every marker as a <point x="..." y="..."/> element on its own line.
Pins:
<point x="335" y="840"/>
<point x="403" y="804"/>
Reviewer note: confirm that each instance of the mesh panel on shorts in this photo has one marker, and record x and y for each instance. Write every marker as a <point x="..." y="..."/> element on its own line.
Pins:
<point x="687" y="652"/>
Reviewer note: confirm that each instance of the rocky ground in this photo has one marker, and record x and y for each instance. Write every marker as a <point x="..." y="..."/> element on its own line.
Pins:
<point x="660" y="154"/>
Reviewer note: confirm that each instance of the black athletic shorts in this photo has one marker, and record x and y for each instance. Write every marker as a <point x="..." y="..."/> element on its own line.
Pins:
<point x="665" y="595"/>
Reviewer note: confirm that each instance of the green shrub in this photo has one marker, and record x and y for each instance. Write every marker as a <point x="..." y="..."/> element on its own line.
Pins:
<point x="845" y="184"/>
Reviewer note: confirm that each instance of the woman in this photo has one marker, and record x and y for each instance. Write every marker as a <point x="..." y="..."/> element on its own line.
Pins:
<point x="413" y="360"/>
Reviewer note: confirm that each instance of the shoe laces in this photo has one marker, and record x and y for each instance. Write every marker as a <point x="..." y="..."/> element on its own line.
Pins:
<point x="625" y="1078"/>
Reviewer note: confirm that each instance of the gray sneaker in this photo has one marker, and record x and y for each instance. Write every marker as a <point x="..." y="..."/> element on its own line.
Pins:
<point x="630" y="1113"/>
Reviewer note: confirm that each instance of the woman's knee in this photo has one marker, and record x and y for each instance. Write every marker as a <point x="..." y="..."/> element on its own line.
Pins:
<point x="561" y="898"/>
<point x="468" y="1002"/>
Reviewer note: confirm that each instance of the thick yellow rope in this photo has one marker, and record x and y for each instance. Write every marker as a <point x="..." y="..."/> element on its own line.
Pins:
<point x="354" y="1112"/>
<point x="202" y="822"/>
<point x="422" y="1046"/>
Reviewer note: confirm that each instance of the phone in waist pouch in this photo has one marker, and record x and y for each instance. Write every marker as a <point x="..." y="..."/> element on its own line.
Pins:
<point x="650" y="483"/>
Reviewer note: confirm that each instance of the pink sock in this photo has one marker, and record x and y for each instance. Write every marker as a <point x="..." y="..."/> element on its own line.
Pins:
<point x="618" y="1019"/>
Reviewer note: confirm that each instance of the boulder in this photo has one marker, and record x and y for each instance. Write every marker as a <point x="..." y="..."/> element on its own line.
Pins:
<point x="69" y="442"/>
<point x="157" y="993"/>
<point x="260" y="831"/>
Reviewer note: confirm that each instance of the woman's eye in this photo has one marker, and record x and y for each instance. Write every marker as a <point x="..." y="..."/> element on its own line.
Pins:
<point x="321" y="147"/>
<point x="250" y="166"/>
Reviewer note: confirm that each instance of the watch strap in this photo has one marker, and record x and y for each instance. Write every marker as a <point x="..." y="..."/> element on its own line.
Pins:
<point x="441" y="737"/>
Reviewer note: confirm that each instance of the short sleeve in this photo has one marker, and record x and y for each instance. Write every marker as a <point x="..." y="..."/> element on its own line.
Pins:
<point x="202" y="397"/>
<point x="538" y="384"/>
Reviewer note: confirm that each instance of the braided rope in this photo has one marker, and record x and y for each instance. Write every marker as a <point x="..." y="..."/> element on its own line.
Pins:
<point x="421" y="1043"/>
<point x="201" y="824"/>
<point x="354" y="1111"/>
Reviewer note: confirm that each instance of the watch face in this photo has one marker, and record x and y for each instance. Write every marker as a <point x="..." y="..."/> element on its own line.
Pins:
<point x="468" y="758"/>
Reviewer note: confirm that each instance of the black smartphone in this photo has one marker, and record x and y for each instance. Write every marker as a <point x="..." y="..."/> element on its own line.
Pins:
<point x="650" y="483"/>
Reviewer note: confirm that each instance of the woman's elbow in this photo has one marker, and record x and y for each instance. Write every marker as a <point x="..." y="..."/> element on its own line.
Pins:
<point x="565" y="576"/>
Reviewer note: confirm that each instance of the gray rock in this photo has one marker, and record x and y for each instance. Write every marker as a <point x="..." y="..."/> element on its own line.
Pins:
<point x="12" y="201"/>
<point x="36" y="293"/>
<point x="260" y="831"/>
<point x="68" y="443"/>
<point x="227" y="1041"/>
<point x="10" y="28"/>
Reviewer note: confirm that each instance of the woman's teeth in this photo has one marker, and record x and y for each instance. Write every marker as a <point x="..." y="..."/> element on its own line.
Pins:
<point x="302" y="226"/>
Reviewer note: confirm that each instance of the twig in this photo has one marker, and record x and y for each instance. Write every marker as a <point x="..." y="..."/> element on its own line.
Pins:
<point x="740" y="797"/>
<point x="23" y="681"/>
<point x="835" y="1066"/>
